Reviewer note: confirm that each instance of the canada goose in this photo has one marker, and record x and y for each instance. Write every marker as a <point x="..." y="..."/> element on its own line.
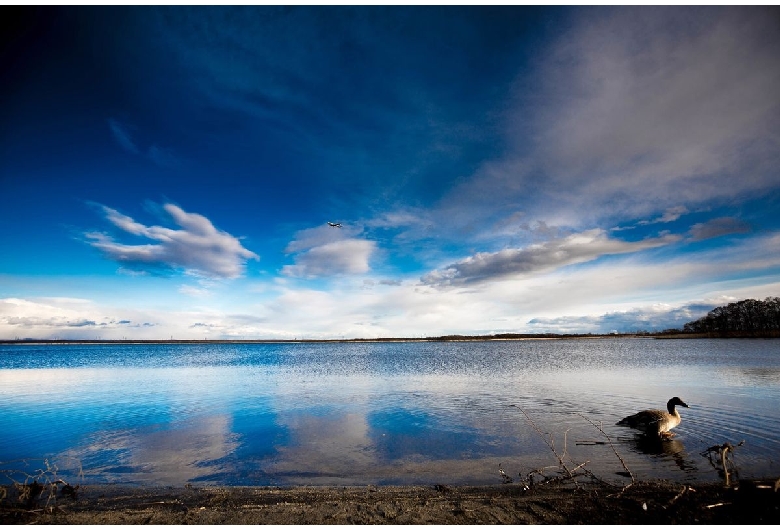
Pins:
<point x="656" y="422"/>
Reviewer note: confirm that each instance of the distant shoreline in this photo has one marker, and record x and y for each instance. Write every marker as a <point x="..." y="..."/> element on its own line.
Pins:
<point x="448" y="338"/>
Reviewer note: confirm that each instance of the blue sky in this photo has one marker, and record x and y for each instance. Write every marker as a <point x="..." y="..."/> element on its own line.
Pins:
<point x="170" y="171"/>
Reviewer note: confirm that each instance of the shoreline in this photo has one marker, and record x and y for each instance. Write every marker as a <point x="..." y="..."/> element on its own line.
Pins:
<point x="653" y="502"/>
<point x="304" y="341"/>
<point x="475" y="338"/>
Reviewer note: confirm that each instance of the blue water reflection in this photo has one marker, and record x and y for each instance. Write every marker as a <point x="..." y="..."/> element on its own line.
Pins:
<point x="382" y="413"/>
<point x="401" y="433"/>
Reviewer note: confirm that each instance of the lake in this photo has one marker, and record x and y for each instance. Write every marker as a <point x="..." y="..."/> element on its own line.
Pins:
<point x="382" y="413"/>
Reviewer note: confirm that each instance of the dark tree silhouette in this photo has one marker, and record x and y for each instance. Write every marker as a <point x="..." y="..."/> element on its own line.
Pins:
<point x="746" y="318"/>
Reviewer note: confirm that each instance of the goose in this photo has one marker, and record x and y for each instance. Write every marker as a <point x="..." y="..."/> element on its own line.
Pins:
<point x="334" y="225"/>
<point x="656" y="422"/>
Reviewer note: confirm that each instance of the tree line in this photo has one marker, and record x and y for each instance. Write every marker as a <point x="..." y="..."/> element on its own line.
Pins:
<point x="746" y="318"/>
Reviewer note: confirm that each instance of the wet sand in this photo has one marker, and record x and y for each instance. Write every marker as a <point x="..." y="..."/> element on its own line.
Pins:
<point x="558" y="503"/>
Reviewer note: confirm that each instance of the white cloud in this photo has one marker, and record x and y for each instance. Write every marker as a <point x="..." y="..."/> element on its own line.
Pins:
<point x="64" y="318"/>
<point x="319" y="235"/>
<point x="199" y="248"/>
<point x="349" y="256"/>
<point x="325" y="251"/>
<point x="542" y="257"/>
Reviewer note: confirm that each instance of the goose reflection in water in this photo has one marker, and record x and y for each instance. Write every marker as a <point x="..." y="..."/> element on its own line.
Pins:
<point x="664" y="447"/>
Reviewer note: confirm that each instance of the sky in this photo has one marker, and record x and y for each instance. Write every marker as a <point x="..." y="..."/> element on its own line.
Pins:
<point x="170" y="172"/>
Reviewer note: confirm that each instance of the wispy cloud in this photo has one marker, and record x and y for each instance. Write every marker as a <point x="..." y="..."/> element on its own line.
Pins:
<point x="652" y="106"/>
<point x="718" y="227"/>
<point x="123" y="136"/>
<point x="197" y="248"/>
<point x="637" y="113"/>
<point x="670" y="215"/>
<point x="195" y="292"/>
<point x="543" y="257"/>
<point x="163" y="157"/>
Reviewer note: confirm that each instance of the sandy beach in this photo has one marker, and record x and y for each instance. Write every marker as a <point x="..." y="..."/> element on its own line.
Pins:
<point x="556" y="503"/>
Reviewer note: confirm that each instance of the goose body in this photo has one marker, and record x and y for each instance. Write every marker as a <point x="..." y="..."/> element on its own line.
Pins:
<point x="656" y="422"/>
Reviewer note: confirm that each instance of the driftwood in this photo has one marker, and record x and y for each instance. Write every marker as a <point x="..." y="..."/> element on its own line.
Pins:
<point x="723" y="452"/>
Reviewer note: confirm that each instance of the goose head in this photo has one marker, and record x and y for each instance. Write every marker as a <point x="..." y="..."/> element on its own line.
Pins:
<point x="673" y="402"/>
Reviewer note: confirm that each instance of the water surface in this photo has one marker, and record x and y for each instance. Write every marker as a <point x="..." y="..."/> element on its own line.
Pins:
<point x="382" y="413"/>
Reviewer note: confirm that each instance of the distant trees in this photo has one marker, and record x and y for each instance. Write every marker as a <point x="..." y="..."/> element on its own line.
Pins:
<point x="747" y="318"/>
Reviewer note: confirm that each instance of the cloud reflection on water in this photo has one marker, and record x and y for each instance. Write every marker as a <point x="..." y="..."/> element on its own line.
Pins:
<point x="175" y="453"/>
<point x="392" y="413"/>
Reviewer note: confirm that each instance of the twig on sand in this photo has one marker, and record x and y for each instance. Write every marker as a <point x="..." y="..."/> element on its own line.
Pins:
<point x="676" y="497"/>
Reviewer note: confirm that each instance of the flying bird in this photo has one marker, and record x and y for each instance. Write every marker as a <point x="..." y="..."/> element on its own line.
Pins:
<point x="656" y="422"/>
<point x="334" y="225"/>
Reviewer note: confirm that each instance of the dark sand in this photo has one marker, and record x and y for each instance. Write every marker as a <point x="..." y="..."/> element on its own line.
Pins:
<point x="559" y="503"/>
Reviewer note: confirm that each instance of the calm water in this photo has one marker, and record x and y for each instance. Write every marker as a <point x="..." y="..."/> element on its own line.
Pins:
<point x="381" y="413"/>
